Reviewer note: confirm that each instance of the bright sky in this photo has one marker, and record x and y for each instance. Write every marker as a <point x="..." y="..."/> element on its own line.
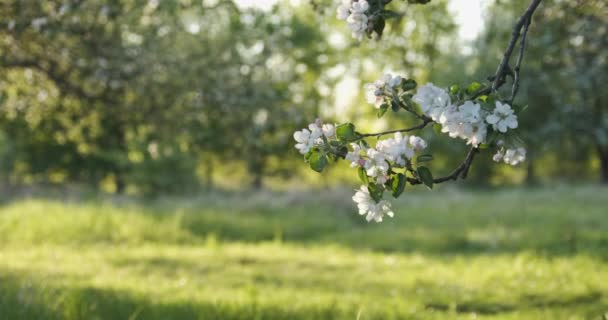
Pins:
<point x="468" y="13"/>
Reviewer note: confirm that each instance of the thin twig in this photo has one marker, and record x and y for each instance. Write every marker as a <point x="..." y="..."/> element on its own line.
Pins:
<point x="520" y="57"/>
<point x="460" y="172"/>
<point x="424" y="123"/>
<point x="503" y="67"/>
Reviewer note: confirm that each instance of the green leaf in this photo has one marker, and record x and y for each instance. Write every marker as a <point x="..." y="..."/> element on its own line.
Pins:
<point x="454" y="89"/>
<point x="398" y="184"/>
<point x="363" y="175"/>
<point x="437" y="128"/>
<point x="409" y="84"/>
<point x="395" y="105"/>
<point x="474" y="87"/>
<point x="346" y="132"/>
<point x="425" y="176"/>
<point x="424" y="158"/>
<point x="375" y="191"/>
<point x="308" y="155"/>
<point x="318" y="161"/>
<point x="382" y="110"/>
<point x="483" y="98"/>
<point x="379" y="25"/>
<point x="483" y="146"/>
<point x="388" y="14"/>
<point x="407" y="100"/>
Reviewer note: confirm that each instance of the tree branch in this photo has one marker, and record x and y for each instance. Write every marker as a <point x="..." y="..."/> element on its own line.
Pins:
<point x="498" y="79"/>
<point x="504" y="69"/>
<point x="520" y="57"/>
<point x="424" y="123"/>
<point x="460" y="172"/>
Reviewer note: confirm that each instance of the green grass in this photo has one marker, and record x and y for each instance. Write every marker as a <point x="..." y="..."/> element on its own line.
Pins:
<point x="511" y="254"/>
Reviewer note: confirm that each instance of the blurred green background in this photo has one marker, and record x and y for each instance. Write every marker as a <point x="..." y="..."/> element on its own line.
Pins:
<point x="147" y="167"/>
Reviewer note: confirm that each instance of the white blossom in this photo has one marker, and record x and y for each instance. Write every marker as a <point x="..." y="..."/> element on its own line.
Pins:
<point x="502" y="118"/>
<point x="329" y="130"/>
<point x="354" y="156"/>
<point x="470" y="112"/>
<point x="359" y="7"/>
<point x="465" y="122"/>
<point x="368" y="207"/>
<point x="417" y="143"/>
<point x="343" y="10"/>
<point x="376" y="166"/>
<point x="357" y="22"/>
<point x="432" y="100"/>
<point x="354" y="13"/>
<point x="396" y="149"/>
<point x="308" y="138"/>
<point x="513" y="156"/>
<point x="498" y="156"/>
<point x="375" y="93"/>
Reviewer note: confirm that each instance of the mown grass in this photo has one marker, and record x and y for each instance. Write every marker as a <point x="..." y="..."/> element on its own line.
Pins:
<point x="511" y="254"/>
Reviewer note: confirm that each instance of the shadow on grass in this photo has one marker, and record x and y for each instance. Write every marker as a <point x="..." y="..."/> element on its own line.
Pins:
<point x="483" y="235"/>
<point x="37" y="297"/>
<point x="590" y="301"/>
<point x="21" y="298"/>
<point x="563" y="223"/>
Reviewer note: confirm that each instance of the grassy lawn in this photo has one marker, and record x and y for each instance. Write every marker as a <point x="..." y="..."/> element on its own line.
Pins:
<point x="510" y="254"/>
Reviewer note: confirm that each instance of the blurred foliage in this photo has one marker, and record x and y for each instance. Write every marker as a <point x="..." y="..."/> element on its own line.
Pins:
<point x="166" y="96"/>
<point x="144" y="92"/>
<point x="565" y="108"/>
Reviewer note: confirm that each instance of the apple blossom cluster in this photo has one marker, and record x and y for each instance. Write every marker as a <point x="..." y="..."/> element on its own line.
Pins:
<point x="468" y="120"/>
<point x="354" y="13"/>
<point x="377" y="93"/>
<point x="390" y="153"/>
<point x="377" y="164"/>
<point x="370" y="208"/>
<point x="393" y="162"/>
<point x="313" y="136"/>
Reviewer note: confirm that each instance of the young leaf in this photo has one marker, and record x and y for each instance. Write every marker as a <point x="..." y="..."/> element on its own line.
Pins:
<point x="424" y="157"/>
<point x="382" y="110"/>
<point x="346" y="132"/>
<point x="474" y="87"/>
<point x="398" y="184"/>
<point x="408" y="84"/>
<point x="363" y="175"/>
<point x="379" y="25"/>
<point x="407" y="100"/>
<point x="375" y="191"/>
<point x="454" y="89"/>
<point x="318" y="161"/>
<point x="437" y="128"/>
<point x="388" y="14"/>
<point x="308" y="155"/>
<point x="395" y="105"/>
<point x="425" y="176"/>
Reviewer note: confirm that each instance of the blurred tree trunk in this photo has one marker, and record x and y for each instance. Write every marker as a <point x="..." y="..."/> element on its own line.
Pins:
<point x="603" y="153"/>
<point x="208" y="174"/>
<point x="257" y="181"/>
<point x="530" y="173"/>
<point x="120" y="184"/>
